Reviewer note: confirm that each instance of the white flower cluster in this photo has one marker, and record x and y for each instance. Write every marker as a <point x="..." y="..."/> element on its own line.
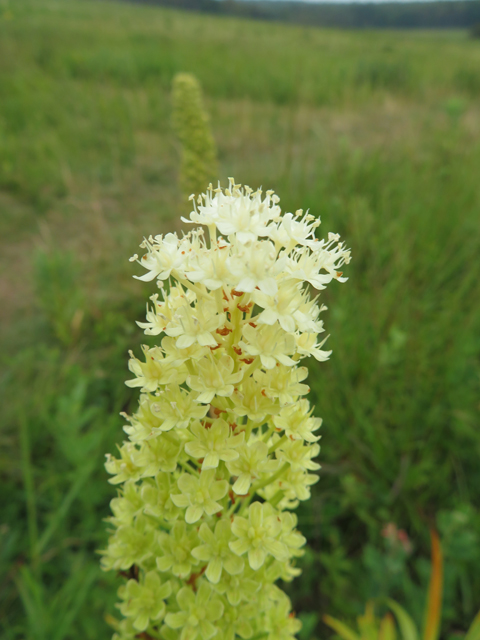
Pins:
<point x="222" y="445"/>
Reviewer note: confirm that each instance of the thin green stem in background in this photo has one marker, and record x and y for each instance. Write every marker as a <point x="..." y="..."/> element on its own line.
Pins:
<point x="27" y="473"/>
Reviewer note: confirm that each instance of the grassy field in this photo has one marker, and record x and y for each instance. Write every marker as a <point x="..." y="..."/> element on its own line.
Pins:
<point x="376" y="132"/>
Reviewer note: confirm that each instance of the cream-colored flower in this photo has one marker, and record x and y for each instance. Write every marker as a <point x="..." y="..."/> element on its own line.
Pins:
<point x="223" y="443"/>
<point x="163" y="256"/>
<point x="211" y="268"/>
<point x="154" y="371"/>
<point x="272" y="345"/>
<point x="255" y="267"/>
<point x="307" y="346"/>
<point x="281" y="307"/>
<point x="177" y="408"/>
<point x="215" y="378"/>
<point x="213" y="442"/>
<point x="159" y="454"/>
<point x="252" y="462"/>
<point x="191" y="325"/>
<point x="297" y="422"/>
<point x="200" y="495"/>
<point x="291" y="231"/>
<point x="252" y="401"/>
<point x="124" y="468"/>
<point x="283" y="383"/>
<point x="299" y="456"/>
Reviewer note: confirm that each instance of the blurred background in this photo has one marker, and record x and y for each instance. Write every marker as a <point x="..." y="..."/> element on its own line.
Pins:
<point x="378" y="132"/>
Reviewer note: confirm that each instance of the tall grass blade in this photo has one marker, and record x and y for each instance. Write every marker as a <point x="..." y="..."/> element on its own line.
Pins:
<point x="405" y="622"/>
<point x="474" y="632"/>
<point x="387" y="628"/>
<point x="29" y="485"/>
<point x="63" y="509"/>
<point x="343" y="631"/>
<point x="85" y="581"/>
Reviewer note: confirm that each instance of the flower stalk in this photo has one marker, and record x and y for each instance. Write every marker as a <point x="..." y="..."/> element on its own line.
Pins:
<point x="221" y="448"/>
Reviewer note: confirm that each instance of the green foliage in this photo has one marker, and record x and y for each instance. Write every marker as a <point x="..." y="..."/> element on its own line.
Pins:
<point x="199" y="155"/>
<point x="86" y="146"/>
<point x="372" y="628"/>
<point x="60" y="294"/>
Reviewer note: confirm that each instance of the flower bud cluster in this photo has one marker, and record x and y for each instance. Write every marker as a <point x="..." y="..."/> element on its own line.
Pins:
<point x="222" y="446"/>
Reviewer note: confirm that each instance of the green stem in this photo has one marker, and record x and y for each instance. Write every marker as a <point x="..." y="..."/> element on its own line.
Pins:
<point x="276" y="498"/>
<point x="277" y="444"/>
<point x="196" y="289"/>
<point x="260" y="485"/>
<point x="268" y="434"/>
<point x="267" y="481"/>
<point x="187" y="467"/>
<point x="29" y="487"/>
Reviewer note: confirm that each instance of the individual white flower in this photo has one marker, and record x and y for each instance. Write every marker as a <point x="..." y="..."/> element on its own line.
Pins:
<point x="280" y="307"/>
<point x="154" y="371"/>
<point x="191" y="325"/>
<point x="297" y="422"/>
<point x="124" y="468"/>
<point x="200" y="495"/>
<point x="296" y="484"/>
<point x="299" y="456"/>
<point x="127" y="505"/>
<point x="163" y="312"/>
<point x="258" y="535"/>
<point x="255" y="267"/>
<point x="156" y="497"/>
<point x="144" y="423"/>
<point x="215" y="378"/>
<point x="177" y="408"/>
<point x="283" y="383"/>
<point x="253" y="401"/>
<point x="331" y="258"/>
<point x="272" y="345"/>
<point x="213" y="442"/>
<point x="211" y="268"/>
<point x="252" y="462"/>
<point x="216" y="552"/>
<point x="176" y="356"/>
<point x="161" y="258"/>
<point x="305" y="266"/>
<point x="237" y="211"/>
<point x="307" y="346"/>
<point x="306" y="316"/>
<point x="159" y="454"/>
<point x="291" y="231"/>
<point x="176" y="550"/>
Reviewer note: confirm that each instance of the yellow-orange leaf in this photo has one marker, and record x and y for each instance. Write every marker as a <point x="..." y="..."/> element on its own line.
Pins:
<point x="435" y="588"/>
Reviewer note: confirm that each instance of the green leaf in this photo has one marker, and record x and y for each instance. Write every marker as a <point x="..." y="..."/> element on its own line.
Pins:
<point x="405" y="622"/>
<point x="343" y="631"/>
<point x="387" y="628"/>
<point x="474" y="632"/>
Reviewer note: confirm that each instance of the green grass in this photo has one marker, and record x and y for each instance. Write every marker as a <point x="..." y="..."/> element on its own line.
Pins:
<point x="379" y="134"/>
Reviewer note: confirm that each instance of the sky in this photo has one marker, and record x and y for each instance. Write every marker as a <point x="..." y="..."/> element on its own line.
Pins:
<point x="356" y="1"/>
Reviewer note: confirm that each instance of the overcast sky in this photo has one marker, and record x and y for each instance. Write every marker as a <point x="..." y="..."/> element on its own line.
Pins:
<point x="357" y="1"/>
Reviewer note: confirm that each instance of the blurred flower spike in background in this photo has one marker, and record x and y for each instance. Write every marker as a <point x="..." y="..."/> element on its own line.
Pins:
<point x="222" y="446"/>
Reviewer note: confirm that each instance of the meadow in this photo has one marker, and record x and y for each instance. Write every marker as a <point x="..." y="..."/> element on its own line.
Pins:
<point x="378" y="133"/>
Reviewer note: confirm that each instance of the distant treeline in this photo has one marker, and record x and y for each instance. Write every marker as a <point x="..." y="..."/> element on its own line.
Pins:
<point x="444" y="14"/>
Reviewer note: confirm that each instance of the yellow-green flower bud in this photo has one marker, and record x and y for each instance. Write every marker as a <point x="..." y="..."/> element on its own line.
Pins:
<point x="190" y="120"/>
